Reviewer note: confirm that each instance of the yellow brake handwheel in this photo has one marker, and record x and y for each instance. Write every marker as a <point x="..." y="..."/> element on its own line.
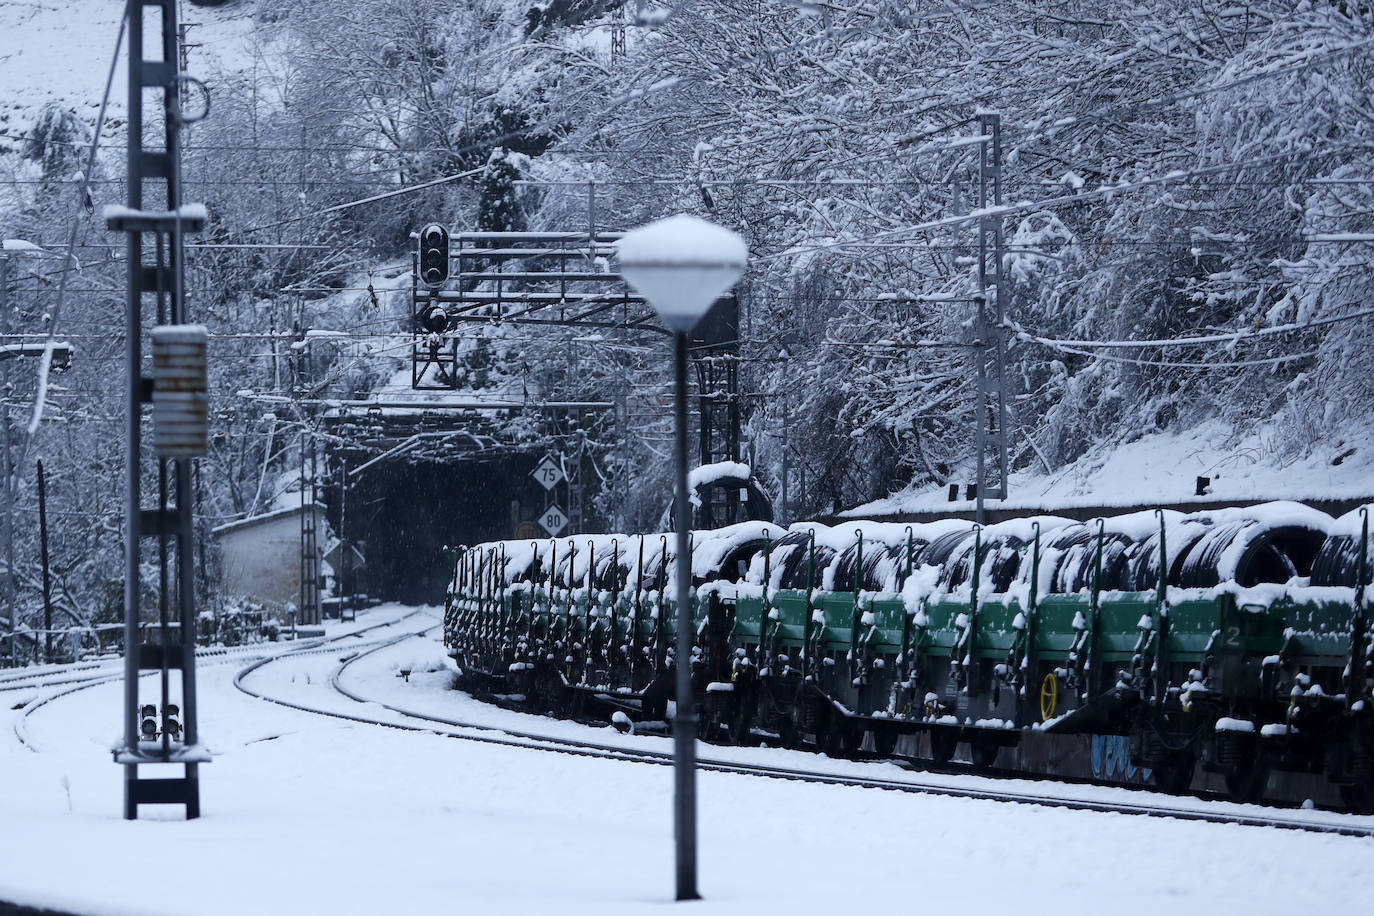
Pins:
<point x="1049" y="696"/>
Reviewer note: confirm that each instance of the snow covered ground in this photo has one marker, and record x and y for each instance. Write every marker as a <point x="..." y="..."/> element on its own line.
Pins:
<point x="1163" y="468"/>
<point x="307" y="814"/>
<point x="38" y="69"/>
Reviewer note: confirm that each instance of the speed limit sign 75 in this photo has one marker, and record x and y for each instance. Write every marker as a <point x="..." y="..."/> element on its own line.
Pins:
<point x="549" y="473"/>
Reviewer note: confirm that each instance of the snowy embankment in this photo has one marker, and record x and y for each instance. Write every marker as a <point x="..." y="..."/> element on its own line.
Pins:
<point x="307" y="814"/>
<point x="1163" y="469"/>
<point x="46" y="39"/>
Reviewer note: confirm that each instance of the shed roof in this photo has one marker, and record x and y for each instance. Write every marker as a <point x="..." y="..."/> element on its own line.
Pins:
<point x="255" y="520"/>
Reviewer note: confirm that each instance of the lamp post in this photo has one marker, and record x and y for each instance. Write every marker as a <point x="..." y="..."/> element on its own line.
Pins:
<point x="681" y="265"/>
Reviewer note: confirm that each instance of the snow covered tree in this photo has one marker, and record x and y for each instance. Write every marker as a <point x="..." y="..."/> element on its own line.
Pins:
<point x="499" y="204"/>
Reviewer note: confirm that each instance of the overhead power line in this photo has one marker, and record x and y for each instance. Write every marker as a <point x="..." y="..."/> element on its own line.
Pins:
<point x="1115" y="109"/>
<point x="1112" y="111"/>
<point x="1218" y="338"/>
<point x="410" y="189"/>
<point x="1005" y="210"/>
<point x="45" y="364"/>
<point x="1183" y="364"/>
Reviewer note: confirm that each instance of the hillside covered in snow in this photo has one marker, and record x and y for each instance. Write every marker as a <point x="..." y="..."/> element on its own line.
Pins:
<point x="1187" y="208"/>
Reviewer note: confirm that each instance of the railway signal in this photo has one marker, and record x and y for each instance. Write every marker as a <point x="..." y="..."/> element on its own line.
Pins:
<point x="433" y="255"/>
<point x="434" y="319"/>
<point x="171" y="721"/>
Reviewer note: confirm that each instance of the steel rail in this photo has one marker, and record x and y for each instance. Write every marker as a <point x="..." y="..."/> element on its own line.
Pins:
<point x="42" y="685"/>
<point x="49" y="670"/>
<point x="224" y="656"/>
<point x="495" y="735"/>
<point x="32" y="680"/>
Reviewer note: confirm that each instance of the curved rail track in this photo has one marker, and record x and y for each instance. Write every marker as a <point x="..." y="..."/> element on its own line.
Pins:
<point x="496" y="735"/>
<point x="26" y="679"/>
<point x="222" y="655"/>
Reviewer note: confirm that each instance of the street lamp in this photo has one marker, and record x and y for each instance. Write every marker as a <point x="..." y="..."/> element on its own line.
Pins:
<point x="681" y="265"/>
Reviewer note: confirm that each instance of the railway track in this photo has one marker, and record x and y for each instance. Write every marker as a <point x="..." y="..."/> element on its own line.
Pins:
<point x="496" y="735"/>
<point x="220" y="655"/>
<point x="96" y="672"/>
<point x="28" y="678"/>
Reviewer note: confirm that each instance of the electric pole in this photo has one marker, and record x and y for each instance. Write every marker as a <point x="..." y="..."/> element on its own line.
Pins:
<point x="617" y="34"/>
<point x="43" y="550"/>
<point x="990" y="253"/>
<point x="165" y="734"/>
<point x="8" y="471"/>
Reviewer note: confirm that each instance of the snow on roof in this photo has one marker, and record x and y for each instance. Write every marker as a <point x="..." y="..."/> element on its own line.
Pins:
<point x="255" y="520"/>
<point x="580" y="548"/>
<point x="710" y="547"/>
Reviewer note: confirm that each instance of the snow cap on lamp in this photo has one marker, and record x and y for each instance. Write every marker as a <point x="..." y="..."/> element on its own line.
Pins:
<point x="681" y="264"/>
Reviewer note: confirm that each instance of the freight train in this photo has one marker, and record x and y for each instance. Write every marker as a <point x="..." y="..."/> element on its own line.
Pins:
<point x="1228" y="650"/>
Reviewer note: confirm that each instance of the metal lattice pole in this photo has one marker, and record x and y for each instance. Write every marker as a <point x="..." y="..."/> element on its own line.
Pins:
<point x="8" y="470"/>
<point x="345" y="585"/>
<point x="990" y="283"/>
<point x="309" y="613"/>
<point x="176" y="390"/>
<point x="618" y="23"/>
<point x="980" y="350"/>
<point x="993" y="127"/>
<point x="43" y="559"/>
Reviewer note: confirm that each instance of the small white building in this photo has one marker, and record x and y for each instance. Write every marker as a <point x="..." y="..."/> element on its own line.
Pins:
<point x="260" y="557"/>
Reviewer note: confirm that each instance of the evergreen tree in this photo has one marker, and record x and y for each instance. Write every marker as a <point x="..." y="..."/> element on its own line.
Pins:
<point x="499" y="205"/>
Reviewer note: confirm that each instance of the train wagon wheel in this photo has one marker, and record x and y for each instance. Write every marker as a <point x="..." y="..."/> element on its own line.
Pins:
<point x="885" y="741"/>
<point x="780" y="715"/>
<point x="1175" y="775"/>
<point x="840" y="737"/>
<point x="1358" y="798"/>
<point x="943" y="743"/>
<point x="714" y="715"/>
<point x="789" y="736"/>
<point x="576" y="702"/>
<point x="709" y="726"/>
<point x="983" y="753"/>
<point x="536" y="697"/>
<point x="561" y="699"/>
<point x="737" y="729"/>
<point x="1247" y="782"/>
<point x="1049" y="697"/>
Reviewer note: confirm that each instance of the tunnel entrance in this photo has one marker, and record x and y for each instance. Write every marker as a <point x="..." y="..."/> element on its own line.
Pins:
<point x="400" y="515"/>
